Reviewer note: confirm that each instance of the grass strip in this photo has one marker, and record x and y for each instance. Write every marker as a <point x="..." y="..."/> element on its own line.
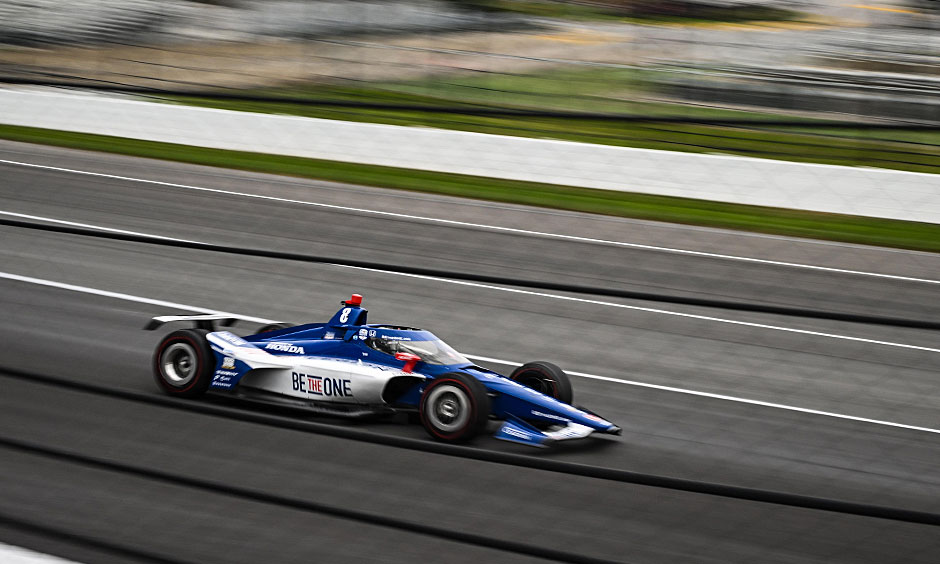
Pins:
<point x="835" y="227"/>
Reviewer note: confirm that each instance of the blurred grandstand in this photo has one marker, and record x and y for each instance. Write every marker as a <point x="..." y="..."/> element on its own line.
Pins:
<point x="866" y="62"/>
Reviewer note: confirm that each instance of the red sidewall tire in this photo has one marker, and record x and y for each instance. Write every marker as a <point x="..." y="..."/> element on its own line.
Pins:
<point x="479" y="407"/>
<point x="205" y="362"/>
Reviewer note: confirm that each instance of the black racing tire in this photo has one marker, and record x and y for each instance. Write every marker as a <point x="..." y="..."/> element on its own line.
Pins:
<point x="272" y="327"/>
<point x="545" y="377"/>
<point x="454" y="407"/>
<point x="183" y="363"/>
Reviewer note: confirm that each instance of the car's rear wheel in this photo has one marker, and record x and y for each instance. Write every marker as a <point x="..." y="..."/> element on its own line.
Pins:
<point x="546" y="378"/>
<point x="454" y="407"/>
<point x="183" y="363"/>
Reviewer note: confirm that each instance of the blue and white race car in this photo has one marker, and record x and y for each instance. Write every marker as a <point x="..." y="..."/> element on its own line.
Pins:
<point x="346" y="367"/>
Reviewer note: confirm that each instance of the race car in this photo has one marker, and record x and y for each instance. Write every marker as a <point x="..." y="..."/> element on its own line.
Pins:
<point x="349" y="368"/>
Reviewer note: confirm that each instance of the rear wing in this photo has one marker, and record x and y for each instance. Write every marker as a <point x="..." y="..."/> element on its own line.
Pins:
<point x="207" y="322"/>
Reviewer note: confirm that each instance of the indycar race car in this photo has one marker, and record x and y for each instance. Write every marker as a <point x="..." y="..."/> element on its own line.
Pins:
<point x="346" y="367"/>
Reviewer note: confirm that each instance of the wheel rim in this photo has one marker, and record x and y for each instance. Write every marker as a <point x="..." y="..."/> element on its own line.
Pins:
<point x="537" y="383"/>
<point x="179" y="363"/>
<point x="448" y="408"/>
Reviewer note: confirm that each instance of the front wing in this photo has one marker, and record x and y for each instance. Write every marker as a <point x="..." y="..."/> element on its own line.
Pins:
<point x="518" y="431"/>
<point x="535" y="419"/>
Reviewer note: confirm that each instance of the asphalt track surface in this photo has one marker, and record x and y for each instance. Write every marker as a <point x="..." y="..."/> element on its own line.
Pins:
<point x="74" y="509"/>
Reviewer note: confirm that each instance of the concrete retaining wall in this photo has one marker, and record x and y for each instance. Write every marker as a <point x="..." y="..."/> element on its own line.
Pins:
<point x="826" y="188"/>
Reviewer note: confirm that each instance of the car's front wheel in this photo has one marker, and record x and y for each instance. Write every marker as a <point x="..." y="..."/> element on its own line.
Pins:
<point x="272" y="327"/>
<point x="454" y="407"/>
<point x="545" y="377"/>
<point x="183" y="363"/>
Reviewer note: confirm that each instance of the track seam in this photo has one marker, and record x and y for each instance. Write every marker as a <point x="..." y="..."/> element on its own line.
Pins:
<point x="86" y="541"/>
<point x="297" y="504"/>
<point x="509" y="459"/>
<point x="485" y="278"/>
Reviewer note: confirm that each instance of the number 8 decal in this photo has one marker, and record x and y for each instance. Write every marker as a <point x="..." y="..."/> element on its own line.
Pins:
<point x="344" y="317"/>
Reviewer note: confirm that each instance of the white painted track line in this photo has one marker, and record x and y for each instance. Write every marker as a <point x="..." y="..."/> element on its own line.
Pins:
<point x="654" y="310"/>
<point x="127" y="297"/>
<point x="88" y="226"/>
<point x="719" y="396"/>
<point x="174" y="305"/>
<point x="10" y="554"/>
<point x="480" y="225"/>
<point x="588" y="301"/>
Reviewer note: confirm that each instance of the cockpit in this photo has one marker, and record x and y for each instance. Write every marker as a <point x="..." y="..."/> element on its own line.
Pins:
<point x="434" y="351"/>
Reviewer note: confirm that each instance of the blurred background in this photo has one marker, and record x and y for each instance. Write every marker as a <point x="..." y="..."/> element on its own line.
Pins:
<point x="792" y="60"/>
<point x="821" y="407"/>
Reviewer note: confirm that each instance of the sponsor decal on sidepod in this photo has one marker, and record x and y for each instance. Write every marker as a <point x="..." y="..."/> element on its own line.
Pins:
<point x="284" y="347"/>
<point x="320" y="386"/>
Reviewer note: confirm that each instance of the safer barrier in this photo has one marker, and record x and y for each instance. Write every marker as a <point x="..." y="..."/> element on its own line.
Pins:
<point x="859" y="191"/>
